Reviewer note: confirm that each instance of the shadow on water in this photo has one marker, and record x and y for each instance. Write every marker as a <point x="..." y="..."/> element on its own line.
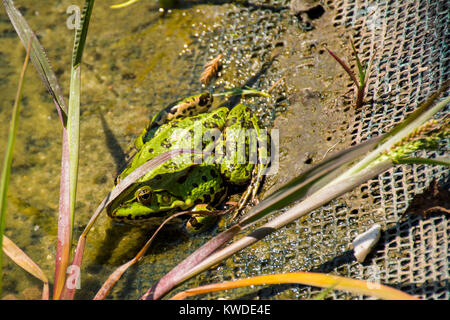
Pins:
<point x="113" y="145"/>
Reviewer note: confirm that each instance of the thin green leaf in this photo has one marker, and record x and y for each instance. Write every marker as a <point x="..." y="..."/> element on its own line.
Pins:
<point x="38" y="58"/>
<point x="6" y="170"/>
<point x="66" y="219"/>
<point x="436" y="162"/>
<point x="308" y="182"/>
<point x="408" y="125"/>
<point x="324" y="293"/>
<point x="361" y="71"/>
<point x="369" y="66"/>
<point x="419" y="111"/>
<point x="81" y="34"/>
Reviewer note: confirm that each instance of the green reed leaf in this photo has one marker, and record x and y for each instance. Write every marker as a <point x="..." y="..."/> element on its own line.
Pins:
<point x="38" y="58"/>
<point x="66" y="220"/>
<point x="6" y="170"/>
<point x="361" y="70"/>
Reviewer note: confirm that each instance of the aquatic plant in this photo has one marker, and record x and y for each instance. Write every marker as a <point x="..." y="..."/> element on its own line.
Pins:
<point x="6" y="170"/>
<point x="329" y="282"/>
<point x="363" y="73"/>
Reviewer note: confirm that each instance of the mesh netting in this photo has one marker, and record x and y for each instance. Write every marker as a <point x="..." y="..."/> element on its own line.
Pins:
<point x="411" y="38"/>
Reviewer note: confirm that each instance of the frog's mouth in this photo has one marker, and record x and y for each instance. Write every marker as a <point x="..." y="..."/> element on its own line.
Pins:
<point x="158" y="204"/>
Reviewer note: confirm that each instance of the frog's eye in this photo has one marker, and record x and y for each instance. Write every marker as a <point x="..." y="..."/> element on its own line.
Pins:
<point x="117" y="180"/>
<point x="144" y="195"/>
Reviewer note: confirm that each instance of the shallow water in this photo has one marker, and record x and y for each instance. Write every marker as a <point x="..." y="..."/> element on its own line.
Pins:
<point x="136" y="61"/>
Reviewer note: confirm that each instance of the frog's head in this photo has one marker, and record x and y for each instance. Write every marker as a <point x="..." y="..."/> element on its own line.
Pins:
<point x="141" y="202"/>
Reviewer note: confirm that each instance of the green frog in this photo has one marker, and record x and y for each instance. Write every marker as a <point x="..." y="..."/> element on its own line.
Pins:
<point x="231" y="155"/>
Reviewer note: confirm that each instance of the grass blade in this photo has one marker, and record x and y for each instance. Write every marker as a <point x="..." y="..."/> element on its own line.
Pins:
<point x="25" y="262"/>
<point x="305" y="278"/>
<point x="6" y="170"/>
<point x="307" y="182"/>
<point x="437" y="161"/>
<point x="424" y="106"/>
<point x="66" y="219"/>
<point x="324" y="293"/>
<point x="361" y="71"/>
<point x="419" y="117"/>
<point x="63" y="238"/>
<point x="345" y="67"/>
<point x="123" y="5"/>
<point x="38" y="58"/>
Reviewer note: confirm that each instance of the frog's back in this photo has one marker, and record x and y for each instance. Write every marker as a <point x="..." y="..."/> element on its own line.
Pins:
<point x="177" y="134"/>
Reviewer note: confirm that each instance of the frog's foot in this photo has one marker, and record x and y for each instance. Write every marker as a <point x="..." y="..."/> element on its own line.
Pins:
<point x="200" y="222"/>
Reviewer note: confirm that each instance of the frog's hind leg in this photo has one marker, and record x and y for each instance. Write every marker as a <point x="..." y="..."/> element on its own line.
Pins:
<point x="252" y="189"/>
<point x="258" y="170"/>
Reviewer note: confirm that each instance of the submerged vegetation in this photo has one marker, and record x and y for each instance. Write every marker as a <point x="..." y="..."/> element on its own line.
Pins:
<point x="324" y="182"/>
